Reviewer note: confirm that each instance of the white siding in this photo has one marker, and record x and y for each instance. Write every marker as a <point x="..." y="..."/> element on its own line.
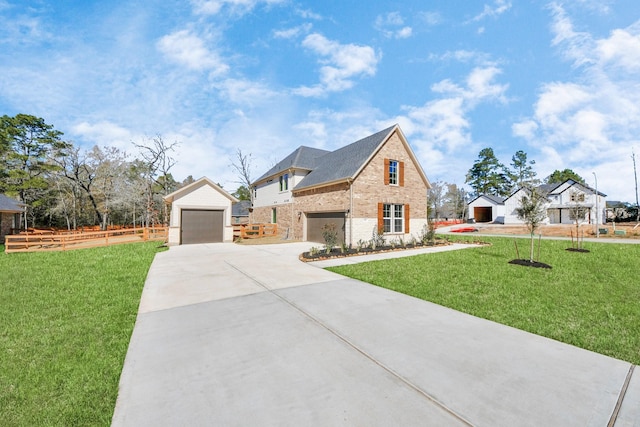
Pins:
<point x="268" y="193"/>
<point x="510" y="206"/>
<point x="202" y="197"/>
<point x="497" y="211"/>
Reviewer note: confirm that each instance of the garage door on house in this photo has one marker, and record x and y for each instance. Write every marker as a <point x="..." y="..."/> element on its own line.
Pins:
<point x="316" y="222"/>
<point x="202" y="226"/>
<point x="483" y="214"/>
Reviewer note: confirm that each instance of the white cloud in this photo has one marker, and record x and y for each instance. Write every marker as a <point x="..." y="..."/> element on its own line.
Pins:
<point x="479" y="86"/>
<point x="430" y="18"/>
<point x="213" y="7"/>
<point x="392" y="25"/>
<point x="621" y="49"/>
<point x="308" y="14"/>
<point x="496" y="9"/>
<point x="341" y="64"/>
<point x="294" y="32"/>
<point x="245" y="92"/>
<point x="590" y="123"/>
<point x="444" y="121"/>
<point x="189" y="50"/>
<point x="462" y="55"/>
<point x="105" y="134"/>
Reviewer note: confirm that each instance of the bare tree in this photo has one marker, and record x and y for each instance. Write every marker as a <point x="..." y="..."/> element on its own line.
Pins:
<point x="577" y="212"/>
<point x="454" y="201"/>
<point x="436" y="198"/>
<point x="242" y="166"/>
<point x="158" y="163"/>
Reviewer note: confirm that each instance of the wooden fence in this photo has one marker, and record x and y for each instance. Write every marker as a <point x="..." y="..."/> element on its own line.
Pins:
<point x="254" y="231"/>
<point x="47" y="240"/>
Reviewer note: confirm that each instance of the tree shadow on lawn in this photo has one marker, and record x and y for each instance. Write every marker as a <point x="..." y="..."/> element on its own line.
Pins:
<point x="527" y="263"/>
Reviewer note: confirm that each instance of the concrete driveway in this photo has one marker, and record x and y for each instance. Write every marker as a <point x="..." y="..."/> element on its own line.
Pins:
<point x="231" y="335"/>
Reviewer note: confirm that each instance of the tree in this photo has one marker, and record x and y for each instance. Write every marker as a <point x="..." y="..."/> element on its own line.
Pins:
<point x="436" y="199"/>
<point x="155" y="155"/>
<point x="488" y="175"/>
<point x="28" y="144"/>
<point x="560" y="176"/>
<point x="532" y="211"/>
<point x="242" y="166"/>
<point x="522" y="172"/>
<point x="454" y="202"/>
<point x="242" y="193"/>
<point x="577" y="211"/>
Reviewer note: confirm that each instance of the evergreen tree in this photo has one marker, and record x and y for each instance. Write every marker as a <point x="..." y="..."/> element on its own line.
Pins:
<point x="488" y="175"/>
<point x="522" y="173"/>
<point x="28" y="144"/>
<point x="558" y="177"/>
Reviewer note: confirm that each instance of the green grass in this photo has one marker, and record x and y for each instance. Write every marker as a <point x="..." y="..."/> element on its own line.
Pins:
<point x="590" y="300"/>
<point x="65" y="323"/>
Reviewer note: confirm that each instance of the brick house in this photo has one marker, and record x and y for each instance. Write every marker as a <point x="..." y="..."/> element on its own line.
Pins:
<point x="10" y="213"/>
<point x="373" y="184"/>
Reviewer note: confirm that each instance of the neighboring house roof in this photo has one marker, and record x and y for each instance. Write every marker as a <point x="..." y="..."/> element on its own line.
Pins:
<point x="8" y="204"/>
<point x="302" y="158"/>
<point x="559" y="188"/>
<point x="197" y="184"/>
<point x="496" y="200"/>
<point x="343" y="164"/>
<point x="241" y="208"/>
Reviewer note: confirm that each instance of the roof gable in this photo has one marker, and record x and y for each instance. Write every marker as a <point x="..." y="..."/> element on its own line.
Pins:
<point x="195" y="185"/>
<point x="496" y="200"/>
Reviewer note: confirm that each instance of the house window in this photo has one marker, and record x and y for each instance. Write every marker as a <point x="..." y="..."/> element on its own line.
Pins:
<point x="577" y="197"/>
<point x="393" y="172"/>
<point x="393" y="218"/>
<point x="274" y="217"/>
<point x="284" y="182"/>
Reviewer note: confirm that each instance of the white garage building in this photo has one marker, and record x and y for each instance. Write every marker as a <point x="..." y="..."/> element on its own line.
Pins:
<point x="200" y="213"/>
<point x="487" y="208"/>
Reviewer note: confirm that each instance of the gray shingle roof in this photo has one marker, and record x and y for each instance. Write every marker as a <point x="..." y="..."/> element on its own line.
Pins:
<point x="344" y="162"/>
<point x="241" y="208"/>
<point x="302" y="158"/>
<point x="10" y="205"/>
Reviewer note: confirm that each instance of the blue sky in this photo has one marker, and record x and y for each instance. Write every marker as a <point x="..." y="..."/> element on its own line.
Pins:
<point x="559" y="80"/>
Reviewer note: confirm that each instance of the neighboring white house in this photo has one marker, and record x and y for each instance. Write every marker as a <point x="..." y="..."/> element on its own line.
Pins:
<point x="564" y="200"/>
<point x="487" y="208"/>
<point x="200" y="213"/>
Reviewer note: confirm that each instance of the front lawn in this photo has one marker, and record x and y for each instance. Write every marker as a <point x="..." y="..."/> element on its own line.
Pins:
<point x="65" y="323"/>
<point x="590" y="300"/>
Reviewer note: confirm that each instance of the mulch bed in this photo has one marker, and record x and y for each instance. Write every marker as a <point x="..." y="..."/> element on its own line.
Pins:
<point x="527" y="263"/>
<point x="338" y="253"/>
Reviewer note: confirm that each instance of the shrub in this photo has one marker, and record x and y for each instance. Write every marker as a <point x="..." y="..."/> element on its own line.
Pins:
<point x="330" y="236"/>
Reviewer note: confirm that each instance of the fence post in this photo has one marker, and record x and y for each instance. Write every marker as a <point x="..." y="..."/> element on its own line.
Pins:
<point x="145" y="234"/>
